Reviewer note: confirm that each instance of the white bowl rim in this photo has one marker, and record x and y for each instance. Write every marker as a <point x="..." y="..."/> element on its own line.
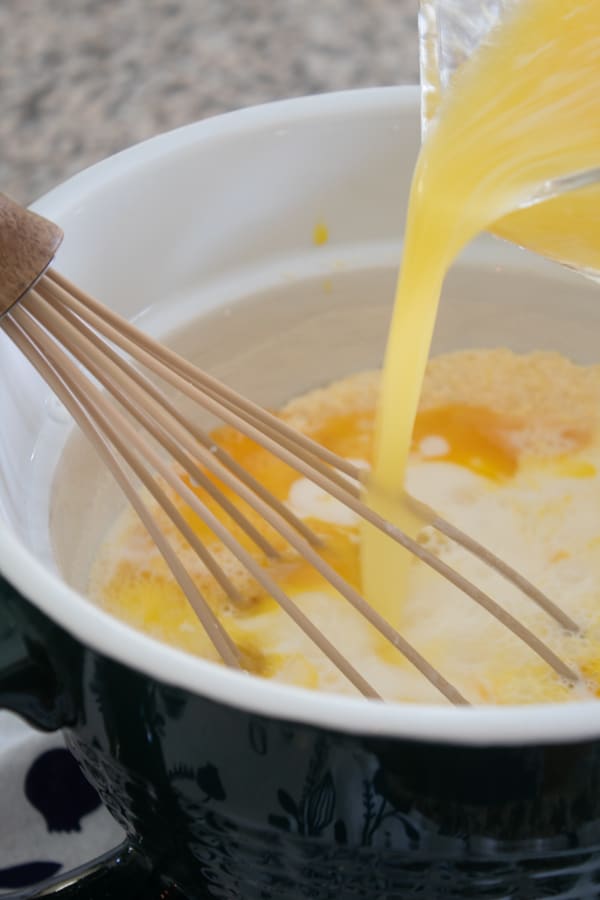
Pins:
<point x="516" y="725"/>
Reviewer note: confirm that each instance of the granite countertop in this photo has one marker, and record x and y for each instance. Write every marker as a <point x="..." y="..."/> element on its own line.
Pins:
<point x="81" y="79"/>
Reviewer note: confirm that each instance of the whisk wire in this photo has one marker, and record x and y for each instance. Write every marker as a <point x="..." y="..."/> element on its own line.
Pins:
<point x="139" y="406"/>
<point x="57" y="314"/>
<point x="147" y="386"/>
<point x="304" y="465"/>
<point x="96" y="403"/>
<point x="133" y="396"/>
<point x="67" y="387"/>
<point x="295" y="445"/>
<point x="121" y="327"/>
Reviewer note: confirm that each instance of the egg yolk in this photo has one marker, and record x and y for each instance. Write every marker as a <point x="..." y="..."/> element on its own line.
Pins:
<point x="471" y="436"/>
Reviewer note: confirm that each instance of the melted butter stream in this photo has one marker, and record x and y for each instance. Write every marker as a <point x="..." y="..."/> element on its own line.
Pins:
<point x="522" y="113"/>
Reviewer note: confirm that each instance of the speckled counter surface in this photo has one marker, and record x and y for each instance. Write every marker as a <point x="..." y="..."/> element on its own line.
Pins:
<point x="81" y="79"/>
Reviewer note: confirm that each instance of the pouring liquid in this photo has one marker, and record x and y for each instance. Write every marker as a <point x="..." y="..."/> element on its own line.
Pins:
<point x="520" y="124"/>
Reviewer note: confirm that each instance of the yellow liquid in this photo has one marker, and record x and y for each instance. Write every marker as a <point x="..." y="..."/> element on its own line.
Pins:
<point x="523" y="112"/>
<point x="495" y="448"/>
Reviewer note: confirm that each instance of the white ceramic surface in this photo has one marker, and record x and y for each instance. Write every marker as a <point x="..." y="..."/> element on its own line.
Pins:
<point x="51" y="828"/>
<point x="190" y="221"/>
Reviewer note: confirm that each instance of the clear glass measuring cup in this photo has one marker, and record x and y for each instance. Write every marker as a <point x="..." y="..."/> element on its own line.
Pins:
<point x="449" y="32"/>
<point x="562" y="220"/>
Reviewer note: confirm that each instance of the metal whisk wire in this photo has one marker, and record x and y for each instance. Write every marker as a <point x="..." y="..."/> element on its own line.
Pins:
<point x="63" y="331"/>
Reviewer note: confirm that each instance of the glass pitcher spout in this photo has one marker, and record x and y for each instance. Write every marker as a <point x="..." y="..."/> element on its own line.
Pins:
<point x="560" y="218"/>
<point x="449" y="33"/>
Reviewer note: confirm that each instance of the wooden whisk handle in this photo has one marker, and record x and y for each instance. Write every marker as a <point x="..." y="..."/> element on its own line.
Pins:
<point x="28" y="244"/>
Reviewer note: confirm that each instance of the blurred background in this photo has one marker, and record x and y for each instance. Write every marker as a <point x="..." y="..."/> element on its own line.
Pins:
<point x="81" y="79"/>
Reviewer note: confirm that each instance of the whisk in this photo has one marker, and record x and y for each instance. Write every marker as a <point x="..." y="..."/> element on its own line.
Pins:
<point x="65" y="333"/>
